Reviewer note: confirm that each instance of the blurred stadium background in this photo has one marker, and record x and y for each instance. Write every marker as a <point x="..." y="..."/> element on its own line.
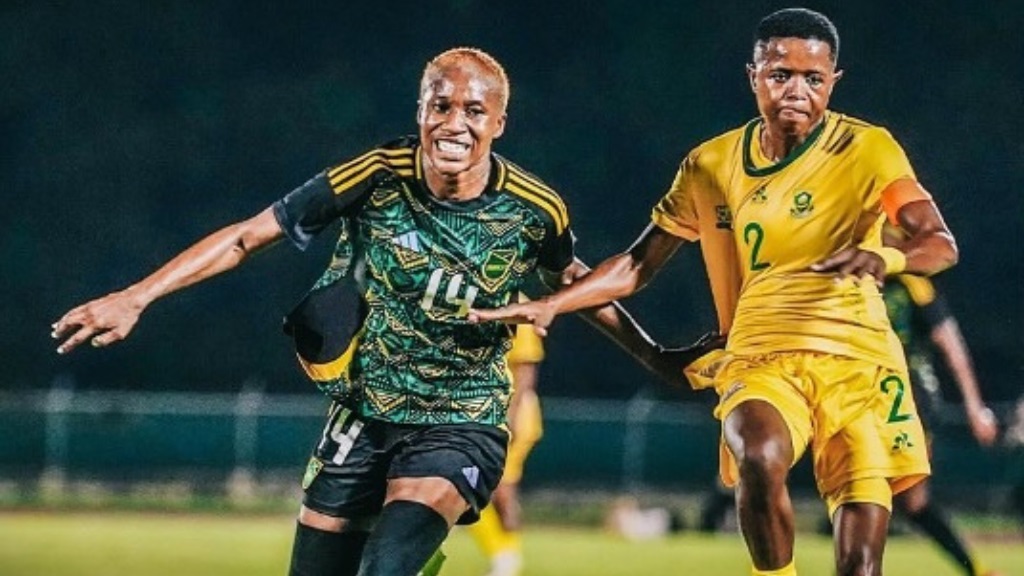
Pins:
<point x="132" y="129"/>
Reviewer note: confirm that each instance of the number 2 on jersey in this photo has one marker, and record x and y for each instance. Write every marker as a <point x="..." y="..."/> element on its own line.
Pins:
<point x="754" y="229"/>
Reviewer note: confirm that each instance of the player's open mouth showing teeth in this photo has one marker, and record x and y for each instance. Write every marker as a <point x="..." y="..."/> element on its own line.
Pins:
<point x="452" y="147"/>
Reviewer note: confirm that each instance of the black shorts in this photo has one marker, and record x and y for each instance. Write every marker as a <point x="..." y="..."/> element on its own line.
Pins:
<point x="348" y="474"/>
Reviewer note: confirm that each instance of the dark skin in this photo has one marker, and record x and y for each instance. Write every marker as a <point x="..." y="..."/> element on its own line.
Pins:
<point x="792" y="80"/>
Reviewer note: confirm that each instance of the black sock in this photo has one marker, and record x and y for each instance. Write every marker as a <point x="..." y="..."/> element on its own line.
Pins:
<point x="405" y="537"/>
<point x="938" y="529"/>
<point x="319" y="553"/>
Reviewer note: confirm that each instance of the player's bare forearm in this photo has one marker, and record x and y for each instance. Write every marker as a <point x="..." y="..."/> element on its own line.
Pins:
<point x="217" y="253"/>
<point x="621" y="275"/>
<point x="667" y="363"/>
<point x="930" y="247"/>
<point x="617" y="324"/>
<point x="615" y="278"/>
<point x="111" y="318"/>
<point x="578" y="290"/>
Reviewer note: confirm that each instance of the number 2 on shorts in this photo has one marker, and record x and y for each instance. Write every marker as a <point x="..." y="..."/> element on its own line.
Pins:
<point x="894" y="412"/>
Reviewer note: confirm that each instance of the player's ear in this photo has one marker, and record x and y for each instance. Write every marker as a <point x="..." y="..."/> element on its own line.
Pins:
<point x="752" y="76"/>
<point x="836" y="76"/>
<point x="501" y="126"/>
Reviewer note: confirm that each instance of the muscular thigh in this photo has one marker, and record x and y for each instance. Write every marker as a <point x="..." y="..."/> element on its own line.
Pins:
<point x="771" y="379"/>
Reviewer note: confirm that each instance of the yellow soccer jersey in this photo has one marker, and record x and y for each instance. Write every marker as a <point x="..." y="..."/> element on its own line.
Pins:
<point x="782" y="218"/>
<point x="695" y="209"/>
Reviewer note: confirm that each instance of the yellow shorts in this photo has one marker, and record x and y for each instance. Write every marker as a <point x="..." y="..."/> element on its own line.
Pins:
<point x="859" y="418"/>
<point x="527" y="432"/>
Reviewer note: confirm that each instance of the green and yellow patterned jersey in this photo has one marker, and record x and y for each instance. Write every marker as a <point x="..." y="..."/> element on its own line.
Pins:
<point x="419" y="264"/>
<point x="768" y="222"/>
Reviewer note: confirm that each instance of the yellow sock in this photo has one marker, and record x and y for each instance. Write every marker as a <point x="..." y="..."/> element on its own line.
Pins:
<point x="491" y="536"/>
<point x="787" y="570"/>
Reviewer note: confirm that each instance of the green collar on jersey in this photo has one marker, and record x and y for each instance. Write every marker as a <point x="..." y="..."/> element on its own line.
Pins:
<point x="748" y="141"/>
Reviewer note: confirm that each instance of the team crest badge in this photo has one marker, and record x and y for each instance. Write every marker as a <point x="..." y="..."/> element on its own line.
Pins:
<point x="497" y="266"/>
<point x="803" y="205"/>
<point x="723" y="217"/>
<point x="312" y="469"/>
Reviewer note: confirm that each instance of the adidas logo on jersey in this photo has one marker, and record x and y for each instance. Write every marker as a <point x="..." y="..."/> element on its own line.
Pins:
<point x="409" y="241"/>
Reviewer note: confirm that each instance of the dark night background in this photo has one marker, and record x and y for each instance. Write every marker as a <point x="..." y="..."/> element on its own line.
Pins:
<point x="131" y="129"/>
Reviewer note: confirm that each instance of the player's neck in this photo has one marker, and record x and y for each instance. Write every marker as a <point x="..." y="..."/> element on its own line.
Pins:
<point x="777" y="144"/>
<point x="460" y="186"/>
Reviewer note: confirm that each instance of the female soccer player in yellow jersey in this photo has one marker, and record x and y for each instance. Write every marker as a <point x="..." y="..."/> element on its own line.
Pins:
<point x="788" y="210"/>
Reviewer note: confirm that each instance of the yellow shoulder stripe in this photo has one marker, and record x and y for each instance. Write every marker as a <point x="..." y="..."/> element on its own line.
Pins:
<point x="539" y="194"/>
<point x="354" y="171"/>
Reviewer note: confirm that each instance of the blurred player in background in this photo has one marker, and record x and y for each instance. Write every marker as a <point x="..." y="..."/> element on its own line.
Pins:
<point x="788" y="210"/>
<point x="498" y="530"/>
<point x="1014" y="440"/>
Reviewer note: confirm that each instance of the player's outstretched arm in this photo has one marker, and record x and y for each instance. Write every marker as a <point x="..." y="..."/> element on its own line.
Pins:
<point x="110" y="318"/>
<point x="668" y="364"/>
<point x="615" y="322"/>
<point x="615" y="278"/>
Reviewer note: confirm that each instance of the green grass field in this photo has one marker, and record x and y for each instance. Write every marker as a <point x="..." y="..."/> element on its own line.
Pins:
<point x="153" y="544"/>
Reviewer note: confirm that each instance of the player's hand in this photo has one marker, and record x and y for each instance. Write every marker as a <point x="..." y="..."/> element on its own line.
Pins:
<point x="853" y="261"/>
<point x="984" y="425"/>
<point x="669" y="363"/>
<point x="102" y="321"/>
<point x="536" y="312"/>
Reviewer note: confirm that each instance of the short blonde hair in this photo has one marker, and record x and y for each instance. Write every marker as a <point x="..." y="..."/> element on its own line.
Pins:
<point x="477" y="57"/>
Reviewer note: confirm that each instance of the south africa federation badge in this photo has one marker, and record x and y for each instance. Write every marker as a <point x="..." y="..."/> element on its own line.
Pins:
<point x="312" y="469"/>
